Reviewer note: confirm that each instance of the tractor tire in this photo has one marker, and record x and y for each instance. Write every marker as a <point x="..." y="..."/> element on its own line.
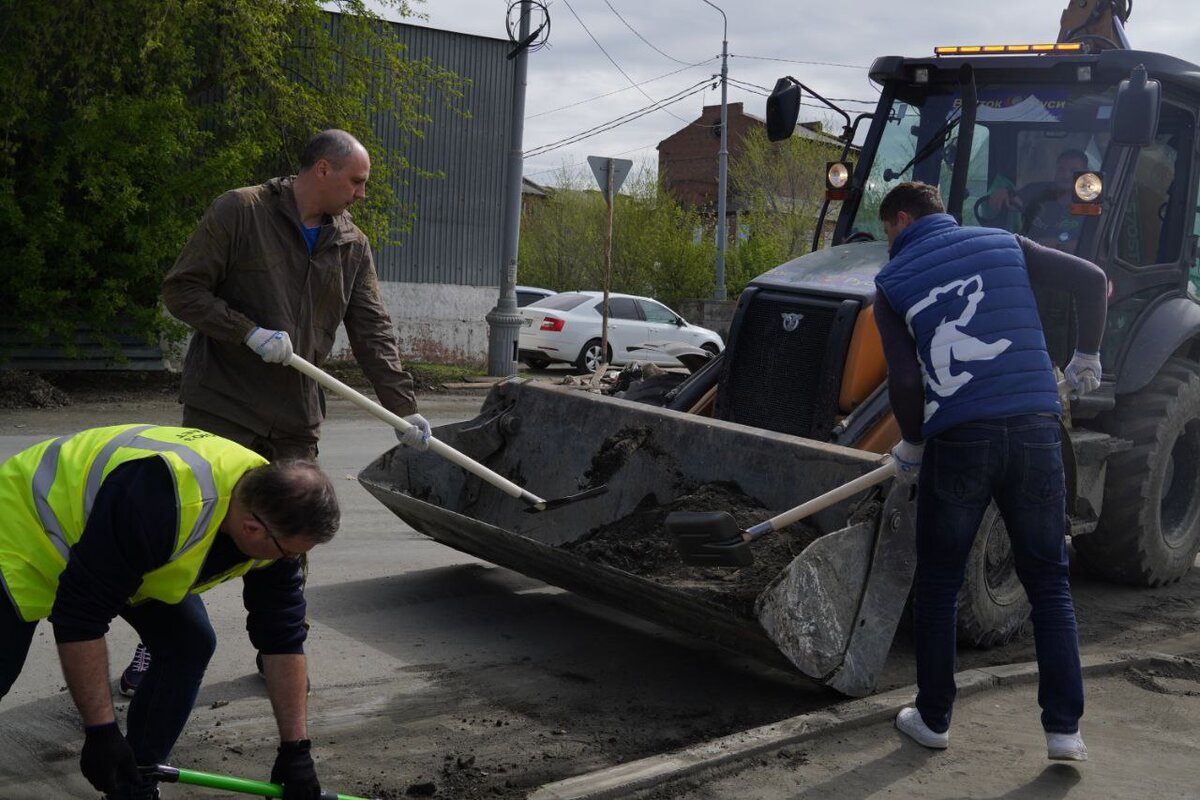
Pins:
<point x="590" y="358"/>
<point x="992" y="606"/>
<point x="1149" y="530"/>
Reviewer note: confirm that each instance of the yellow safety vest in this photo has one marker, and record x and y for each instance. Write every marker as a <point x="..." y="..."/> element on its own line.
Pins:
<point x="47" y="492"/>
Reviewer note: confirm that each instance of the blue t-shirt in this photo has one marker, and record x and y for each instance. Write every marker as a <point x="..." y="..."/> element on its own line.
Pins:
<point x="311" y="235"/>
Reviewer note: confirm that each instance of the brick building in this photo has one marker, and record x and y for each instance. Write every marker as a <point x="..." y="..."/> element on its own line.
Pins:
<point x="688" y="159"/>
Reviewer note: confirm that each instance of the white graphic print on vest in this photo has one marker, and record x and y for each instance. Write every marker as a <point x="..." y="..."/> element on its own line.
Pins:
<point x="950" y="342"/>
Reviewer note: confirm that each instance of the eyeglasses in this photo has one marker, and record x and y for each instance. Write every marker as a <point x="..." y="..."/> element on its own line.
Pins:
<point x="282" y="553"/>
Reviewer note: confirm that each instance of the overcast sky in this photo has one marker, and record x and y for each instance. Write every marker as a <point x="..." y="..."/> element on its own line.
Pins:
<point x="825" y="45"/>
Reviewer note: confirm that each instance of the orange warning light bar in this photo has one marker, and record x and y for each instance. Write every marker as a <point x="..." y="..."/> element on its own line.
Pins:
<point x="996" y="49"/>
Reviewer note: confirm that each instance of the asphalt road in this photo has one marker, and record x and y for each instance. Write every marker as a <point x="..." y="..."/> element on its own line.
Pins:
<point x="436" y="672"/>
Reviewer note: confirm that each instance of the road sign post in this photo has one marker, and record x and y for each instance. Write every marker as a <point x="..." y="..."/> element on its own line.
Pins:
<point x="610" y="174"/>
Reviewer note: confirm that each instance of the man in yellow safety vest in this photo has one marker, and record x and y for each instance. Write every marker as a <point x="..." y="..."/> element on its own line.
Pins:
<point x="136" y="521"/>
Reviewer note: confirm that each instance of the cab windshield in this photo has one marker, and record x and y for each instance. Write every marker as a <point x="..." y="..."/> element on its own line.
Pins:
<point x="1028" y="143"/>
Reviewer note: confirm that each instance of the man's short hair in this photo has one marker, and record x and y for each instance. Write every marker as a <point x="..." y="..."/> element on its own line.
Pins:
<point x="333" y="145"/>
<point x="293" y="497"/>
<point x="912" y="197"/>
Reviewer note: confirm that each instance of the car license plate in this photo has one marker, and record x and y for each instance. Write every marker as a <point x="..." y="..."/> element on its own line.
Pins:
<point x="527" y="322"/>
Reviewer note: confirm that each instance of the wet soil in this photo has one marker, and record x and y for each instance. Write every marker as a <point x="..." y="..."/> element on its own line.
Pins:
<point x="641" y="544"/>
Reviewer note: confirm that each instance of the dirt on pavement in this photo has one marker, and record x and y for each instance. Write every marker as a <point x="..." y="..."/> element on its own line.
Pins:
<point x="519" y="686"/>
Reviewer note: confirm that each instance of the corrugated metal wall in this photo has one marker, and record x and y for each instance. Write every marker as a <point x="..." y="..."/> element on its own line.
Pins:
<point x="458" y="236"/>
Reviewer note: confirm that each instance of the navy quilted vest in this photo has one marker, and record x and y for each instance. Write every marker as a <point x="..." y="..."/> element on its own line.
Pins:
<point x="965" y="296"/>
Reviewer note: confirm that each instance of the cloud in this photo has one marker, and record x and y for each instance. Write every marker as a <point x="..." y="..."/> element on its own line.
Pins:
<point x="573" y="68"/>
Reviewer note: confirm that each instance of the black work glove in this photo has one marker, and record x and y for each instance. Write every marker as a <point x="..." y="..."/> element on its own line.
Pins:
<point x="107" y="759"/>
<point x="295" y="772"/>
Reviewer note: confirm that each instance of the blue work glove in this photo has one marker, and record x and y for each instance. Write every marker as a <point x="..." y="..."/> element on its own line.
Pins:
<point x="295" y="771"/>
<point x="418" y="435"/>
<point x="275" y="347"/>
<point x="908" y="460"/>
<point x="107" y="759"/>
<point x="1083" y="373"/>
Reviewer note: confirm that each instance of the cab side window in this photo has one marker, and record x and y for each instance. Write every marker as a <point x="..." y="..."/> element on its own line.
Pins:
<point x="1155" y="218"/>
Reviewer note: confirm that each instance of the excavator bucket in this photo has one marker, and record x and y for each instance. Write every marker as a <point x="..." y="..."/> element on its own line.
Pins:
<point x="823" y="597"/>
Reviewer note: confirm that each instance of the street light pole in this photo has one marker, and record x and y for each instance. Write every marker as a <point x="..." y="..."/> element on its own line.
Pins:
<point x="722" y="160"/>
<point x="504" y="323"/>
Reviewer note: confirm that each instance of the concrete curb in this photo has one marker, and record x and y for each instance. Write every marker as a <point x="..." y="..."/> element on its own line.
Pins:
<point x="623" y="780"/>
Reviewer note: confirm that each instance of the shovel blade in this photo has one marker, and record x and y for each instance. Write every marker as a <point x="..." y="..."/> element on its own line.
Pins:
<point x="709" y="539"/>
<point x="550" y="505"/>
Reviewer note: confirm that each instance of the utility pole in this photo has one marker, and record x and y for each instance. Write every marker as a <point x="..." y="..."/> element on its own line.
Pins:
<point x="504" y="323"/>
<point x="722" y="160"/>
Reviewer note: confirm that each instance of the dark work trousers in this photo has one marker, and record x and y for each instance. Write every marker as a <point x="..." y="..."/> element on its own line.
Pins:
<point x="272" y="448"/>
<point x="182" y="640"/>
<point x="1017" y="461"/>
<point x="15" y="637"/>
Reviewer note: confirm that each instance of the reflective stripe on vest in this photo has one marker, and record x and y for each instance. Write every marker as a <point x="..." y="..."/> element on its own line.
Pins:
<point x="49" y="490"/>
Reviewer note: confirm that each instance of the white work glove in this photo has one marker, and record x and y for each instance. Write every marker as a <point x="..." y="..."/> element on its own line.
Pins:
<point x="275" y="347"/>
<point x="1083" y="373"/>
<point x="908" y="460"/>
<point x="418" y="435"/>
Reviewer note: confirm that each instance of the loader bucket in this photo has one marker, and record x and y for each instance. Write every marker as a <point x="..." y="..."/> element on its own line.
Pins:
<point x="828" y="609"/>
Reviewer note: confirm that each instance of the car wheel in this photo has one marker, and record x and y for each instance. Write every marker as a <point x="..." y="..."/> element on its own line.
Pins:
<point x="711" y="347"/>
<point x="590" y="358"/>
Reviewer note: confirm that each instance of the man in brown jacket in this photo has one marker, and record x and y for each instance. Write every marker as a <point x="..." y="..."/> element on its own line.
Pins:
<point x="271" y="270"/>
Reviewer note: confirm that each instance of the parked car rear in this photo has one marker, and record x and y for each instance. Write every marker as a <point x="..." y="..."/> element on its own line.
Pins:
<point x="567" y="328"/>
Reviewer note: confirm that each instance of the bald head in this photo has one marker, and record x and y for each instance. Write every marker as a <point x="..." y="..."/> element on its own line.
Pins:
<point x="333" y="145"/>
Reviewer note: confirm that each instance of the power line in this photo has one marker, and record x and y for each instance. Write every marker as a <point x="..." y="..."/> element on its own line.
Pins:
<point x="643" y="38"/>
<point x="615" y="123"/>
<point x="793" y="61"/>
<point x="618" y="91"/>
<point x="579" y="164"/>
<point x="632" y="82"/>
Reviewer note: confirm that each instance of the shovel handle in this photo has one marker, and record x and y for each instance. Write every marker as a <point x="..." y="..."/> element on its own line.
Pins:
<point x="229" y="783"/>
<point x="824" y="501"/>
<point x="436" y="445"/>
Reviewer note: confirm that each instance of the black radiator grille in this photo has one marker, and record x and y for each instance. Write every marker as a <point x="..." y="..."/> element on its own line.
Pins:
<point x="773" y="380"/>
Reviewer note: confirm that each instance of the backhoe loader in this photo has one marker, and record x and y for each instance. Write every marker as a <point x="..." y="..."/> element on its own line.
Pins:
<point x="797" y="403"/>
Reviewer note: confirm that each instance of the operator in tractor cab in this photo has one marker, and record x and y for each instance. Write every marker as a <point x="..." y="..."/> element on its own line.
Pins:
<point x="135" y="521"/>
<point x="1040" y="210"/>
<point x="973" y="389"/>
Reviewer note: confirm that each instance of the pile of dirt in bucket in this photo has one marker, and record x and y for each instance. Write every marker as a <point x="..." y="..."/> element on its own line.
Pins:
<point x="640" y="544"/>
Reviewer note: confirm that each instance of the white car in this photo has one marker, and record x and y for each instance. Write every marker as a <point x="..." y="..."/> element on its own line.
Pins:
<point x="566" y="327"/>
<point x="531" y="294"/>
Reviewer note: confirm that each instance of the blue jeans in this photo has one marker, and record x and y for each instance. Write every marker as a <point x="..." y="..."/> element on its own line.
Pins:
<point x="1017" y="461"/>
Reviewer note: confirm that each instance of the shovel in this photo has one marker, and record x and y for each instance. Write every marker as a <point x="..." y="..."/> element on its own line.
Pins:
<point x="533" y="503"/>
<point x="167" y="774"/>
<point x="712" y="538"/>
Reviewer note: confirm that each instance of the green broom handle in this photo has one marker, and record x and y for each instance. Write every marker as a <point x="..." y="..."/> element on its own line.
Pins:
<point x="243" y="785"/>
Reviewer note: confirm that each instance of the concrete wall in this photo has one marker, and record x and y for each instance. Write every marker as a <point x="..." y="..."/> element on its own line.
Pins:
<point x="436" y="322"/>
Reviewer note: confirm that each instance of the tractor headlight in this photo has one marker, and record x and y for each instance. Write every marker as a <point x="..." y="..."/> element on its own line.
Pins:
<point x="837" y="175"/>
<point x="1089" y="186"/>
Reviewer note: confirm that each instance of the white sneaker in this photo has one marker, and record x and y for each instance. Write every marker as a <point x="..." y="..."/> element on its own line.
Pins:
<point x="1065" y="747"/>
<point x="909" y="722"/>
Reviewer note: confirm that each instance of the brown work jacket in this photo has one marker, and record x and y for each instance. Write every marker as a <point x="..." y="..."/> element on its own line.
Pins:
<point x="247" y="265"/>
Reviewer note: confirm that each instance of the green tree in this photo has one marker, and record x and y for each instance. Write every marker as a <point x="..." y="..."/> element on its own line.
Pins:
<point x="782" y="186"/>
<point x="120" y="120"/>
<point x="657" y="250"/>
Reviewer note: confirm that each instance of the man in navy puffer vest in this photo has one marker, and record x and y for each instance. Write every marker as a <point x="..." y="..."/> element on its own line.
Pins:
<point x="973" y="389"/>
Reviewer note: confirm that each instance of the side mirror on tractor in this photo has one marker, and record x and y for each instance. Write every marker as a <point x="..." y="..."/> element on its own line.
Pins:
<point x="783" y="109"/>
<point x="1135" y="114"/>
